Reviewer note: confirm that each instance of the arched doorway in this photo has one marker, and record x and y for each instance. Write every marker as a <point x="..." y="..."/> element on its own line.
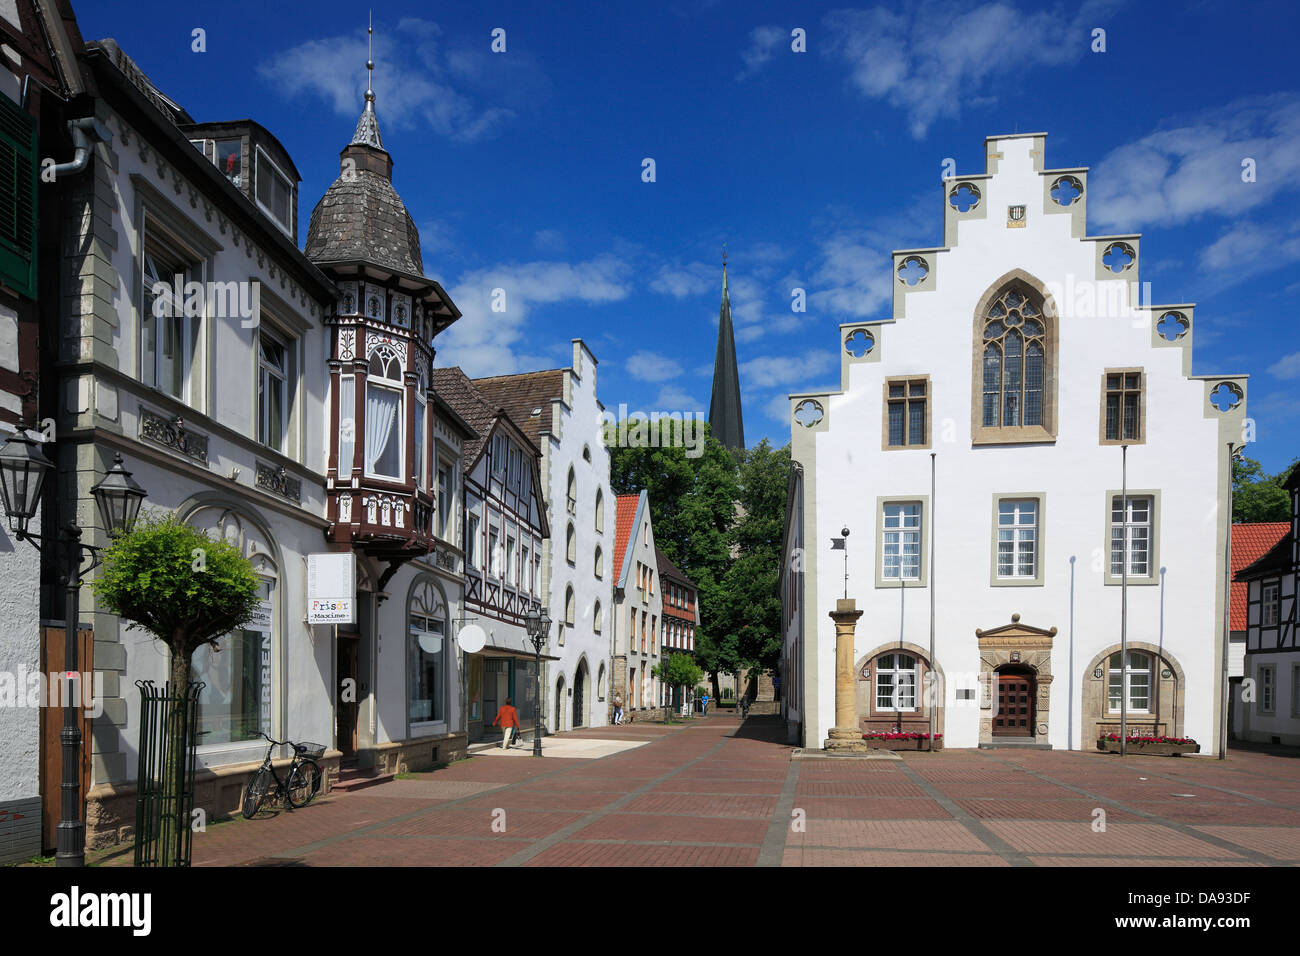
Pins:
<point x="1014" y="700"/>
<point x="558" y="726"/>
<point x="579" y="691"/>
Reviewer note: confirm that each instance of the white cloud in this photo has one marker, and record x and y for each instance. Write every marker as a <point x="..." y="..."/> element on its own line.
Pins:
<point x="484" y="342"/>
<point x="673" y="399"/>
<point x="1246" y="250"/>
<point x="855" y="277"/>
<point x="681" y="281"/>
<point x="1195" y="169"/>
<point x="1288" y="366"/>
<point x="420" y="83"/>
<point x="930" y="59"/>
<point x="786" y="371"/>
<point x="652" y="367"/>
<point x="763" y="43"/>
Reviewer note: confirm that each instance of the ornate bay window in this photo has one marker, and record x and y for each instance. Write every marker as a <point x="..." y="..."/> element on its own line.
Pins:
<point x="384" y="394"/>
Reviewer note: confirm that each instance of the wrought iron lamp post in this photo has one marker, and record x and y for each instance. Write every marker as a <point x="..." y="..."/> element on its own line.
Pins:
<point x="23" y="470"/>
<point x="538" y="623"/>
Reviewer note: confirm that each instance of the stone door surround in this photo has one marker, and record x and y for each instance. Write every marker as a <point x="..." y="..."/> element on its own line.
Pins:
<point x="1023" y="645"/>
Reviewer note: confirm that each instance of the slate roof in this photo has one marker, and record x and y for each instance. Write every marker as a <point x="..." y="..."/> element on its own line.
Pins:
<point x="1250" y="543"/>
<point x="364" y="219"/>
<point x="725" y="420"/>
<point x="361" y="217"/>
<point x="520" y="394"/>
<point x="669" y="570"/>
<point x="456" y="389"/>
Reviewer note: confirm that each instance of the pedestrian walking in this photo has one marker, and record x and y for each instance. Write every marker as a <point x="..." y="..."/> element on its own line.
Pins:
<point x="508" y="720"/>
<point x="704" y="703"/>
<point x="618" y="710"/>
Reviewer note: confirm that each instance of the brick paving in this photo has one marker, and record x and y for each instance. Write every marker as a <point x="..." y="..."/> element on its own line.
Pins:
<point x="714" y="792"/>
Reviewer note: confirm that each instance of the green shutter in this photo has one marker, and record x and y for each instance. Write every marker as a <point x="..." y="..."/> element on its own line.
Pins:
<point x="17" y="198"/>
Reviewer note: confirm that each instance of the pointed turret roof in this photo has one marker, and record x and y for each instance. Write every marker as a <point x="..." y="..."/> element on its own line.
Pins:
<point x="361" y="218"/>
<point x="725" y="418"/>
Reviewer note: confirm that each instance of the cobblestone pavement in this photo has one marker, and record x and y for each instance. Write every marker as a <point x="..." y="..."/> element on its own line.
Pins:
<point x="714" y="792"/>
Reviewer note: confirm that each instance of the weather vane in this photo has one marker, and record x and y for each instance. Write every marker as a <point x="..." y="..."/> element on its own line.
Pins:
<point x="841" y="544"/>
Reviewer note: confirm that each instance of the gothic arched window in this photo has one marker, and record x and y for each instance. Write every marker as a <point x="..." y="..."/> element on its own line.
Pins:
<point x="1015" y="356"/>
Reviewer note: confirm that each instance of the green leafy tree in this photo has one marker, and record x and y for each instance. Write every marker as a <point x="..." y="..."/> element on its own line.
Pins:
<point x="751" y="582"/>
<point x="187" y="590"/>
<point x="693" y="507"/>
<point x="678" y="669"/>
<point x="1258" y="496"/>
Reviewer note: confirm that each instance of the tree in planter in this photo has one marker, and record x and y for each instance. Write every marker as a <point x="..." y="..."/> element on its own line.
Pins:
<point x="186" y="589"/>
<point x="677" y="670"/>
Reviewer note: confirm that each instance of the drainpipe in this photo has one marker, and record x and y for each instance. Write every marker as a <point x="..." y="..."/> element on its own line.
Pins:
<point x="85" y="132"/>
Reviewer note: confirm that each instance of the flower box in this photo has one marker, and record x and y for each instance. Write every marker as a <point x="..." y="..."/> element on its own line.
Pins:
<point x="901" y="741"/>
<point x="1150" y="746"/>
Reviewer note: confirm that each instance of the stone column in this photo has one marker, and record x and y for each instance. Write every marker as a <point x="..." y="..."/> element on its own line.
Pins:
<point x="845" y="735"/>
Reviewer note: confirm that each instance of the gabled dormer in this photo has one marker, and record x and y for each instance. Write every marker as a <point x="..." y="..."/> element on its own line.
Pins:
<point x="255" y="163"/>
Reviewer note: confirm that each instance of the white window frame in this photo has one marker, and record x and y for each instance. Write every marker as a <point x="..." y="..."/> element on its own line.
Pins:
<point x="1017" y="532"/>
<point x="383" y="382"/>
<point x="1127" y="534"/>
<point x="896" y="530"/>
<point x="1267" y="605"/>
<point x="260" y="155"/>
<point x="287" y="386"/>
<point x="190" y="327"/>
<point x="1267" y="703"/>
<point x="1148" y="669"/>
<point x="895" y="670"/>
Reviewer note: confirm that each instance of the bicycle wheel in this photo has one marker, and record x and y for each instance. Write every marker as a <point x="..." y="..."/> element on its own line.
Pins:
<point x="304" y="783"/>
<point x="255" y="792"/>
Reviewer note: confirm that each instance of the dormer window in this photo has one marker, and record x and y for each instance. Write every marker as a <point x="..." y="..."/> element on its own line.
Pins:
<point x="384" y="432"/>
<point x="227" y="155"/>
<point x="274" y="192"/>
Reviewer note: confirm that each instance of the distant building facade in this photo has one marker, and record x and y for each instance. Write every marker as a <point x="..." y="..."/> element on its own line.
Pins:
<point x="1271" y="712"/>
<point x="638" y="605"/>
<point x="1019" y="359"/>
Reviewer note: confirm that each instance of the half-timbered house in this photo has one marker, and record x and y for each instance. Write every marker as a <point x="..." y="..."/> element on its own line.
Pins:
<point x="505" y="527"/>
<point x="1270" y="701"/>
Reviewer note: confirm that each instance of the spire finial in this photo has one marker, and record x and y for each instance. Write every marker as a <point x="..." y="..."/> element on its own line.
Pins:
<point x="370" y="63"/>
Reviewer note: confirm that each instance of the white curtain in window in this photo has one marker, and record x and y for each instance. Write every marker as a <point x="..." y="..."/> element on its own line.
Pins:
<point x="347" y="424"/>
<point x="381" y="416"/>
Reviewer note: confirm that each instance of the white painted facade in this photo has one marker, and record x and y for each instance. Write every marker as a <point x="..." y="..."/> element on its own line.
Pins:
<point x="1068" y="611"/>
<point x="574" y="449"/>
<point x="638" y="609"/>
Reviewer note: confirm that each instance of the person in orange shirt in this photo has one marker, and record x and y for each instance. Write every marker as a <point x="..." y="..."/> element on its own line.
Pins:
<point x="508" y="721"/>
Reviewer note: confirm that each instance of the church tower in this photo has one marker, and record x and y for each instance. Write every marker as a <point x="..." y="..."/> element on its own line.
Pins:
<point x="724" y="407"/>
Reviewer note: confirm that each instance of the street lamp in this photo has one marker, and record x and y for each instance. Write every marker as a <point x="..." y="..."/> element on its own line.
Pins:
<point x="23" y="470"/>
<point x="538" y="623"/>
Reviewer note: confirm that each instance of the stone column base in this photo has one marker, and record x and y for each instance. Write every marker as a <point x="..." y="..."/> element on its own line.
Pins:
<point x="845" y="738"/>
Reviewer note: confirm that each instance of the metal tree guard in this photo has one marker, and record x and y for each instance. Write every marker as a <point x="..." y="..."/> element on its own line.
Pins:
<point x="160" y="797"/>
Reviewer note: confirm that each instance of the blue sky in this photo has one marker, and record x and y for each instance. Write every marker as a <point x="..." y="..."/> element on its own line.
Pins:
<point x="523" y="169"/>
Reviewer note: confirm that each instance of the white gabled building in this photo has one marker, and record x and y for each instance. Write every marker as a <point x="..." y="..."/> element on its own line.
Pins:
<point x="1019" y="358"/>
<point x="559" y="411"/>
<point x="638" y="605"/>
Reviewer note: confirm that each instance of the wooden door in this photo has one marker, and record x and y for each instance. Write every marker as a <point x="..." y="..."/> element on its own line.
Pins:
<point x="1015" y="714"/>
<point x="52" y="656"/>
<point x="349" y="686"/>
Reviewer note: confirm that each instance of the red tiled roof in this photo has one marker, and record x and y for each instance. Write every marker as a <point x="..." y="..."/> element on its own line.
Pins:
<point x="1250" y="542"/>
<point x="623" y="526"/>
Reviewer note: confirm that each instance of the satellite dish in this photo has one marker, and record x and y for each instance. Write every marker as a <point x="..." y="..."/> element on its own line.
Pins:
<point x="471" y="638"/>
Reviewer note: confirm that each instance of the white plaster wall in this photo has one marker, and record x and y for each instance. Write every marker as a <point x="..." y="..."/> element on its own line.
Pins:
<point x="1282" y="723"/>
<point x="574" y="428"/>
<point x="20" y="649"/>
<point x="1181" y="456"/>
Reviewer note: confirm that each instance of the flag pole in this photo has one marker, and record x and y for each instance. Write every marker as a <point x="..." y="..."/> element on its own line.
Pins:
<point x="1123" y="609"/>
<point x="932" y="564"/>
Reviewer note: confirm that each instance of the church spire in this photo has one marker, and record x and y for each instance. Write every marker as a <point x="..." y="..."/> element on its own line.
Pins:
<point x="725" y="418"/>
<point x="367" y="133"/>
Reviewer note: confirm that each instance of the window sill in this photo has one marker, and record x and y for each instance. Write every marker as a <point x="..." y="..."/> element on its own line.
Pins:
<point x="1132" y="582"/>
<point x="1036" y="582"/>
<point x="887" y="584"/>
<point x="1121" y="441"/>
<point x="925" y="447"/>
<point x="1012" y="435"/>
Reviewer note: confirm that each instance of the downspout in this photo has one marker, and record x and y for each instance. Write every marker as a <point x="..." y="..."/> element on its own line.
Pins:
<point x="82" y="130"/>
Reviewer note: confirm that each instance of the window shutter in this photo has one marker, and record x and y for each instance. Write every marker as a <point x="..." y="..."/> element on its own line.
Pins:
<point x="17" y="198"/>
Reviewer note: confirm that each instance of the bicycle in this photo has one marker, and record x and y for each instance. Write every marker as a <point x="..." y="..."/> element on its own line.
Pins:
<point x="298" y="788"/>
